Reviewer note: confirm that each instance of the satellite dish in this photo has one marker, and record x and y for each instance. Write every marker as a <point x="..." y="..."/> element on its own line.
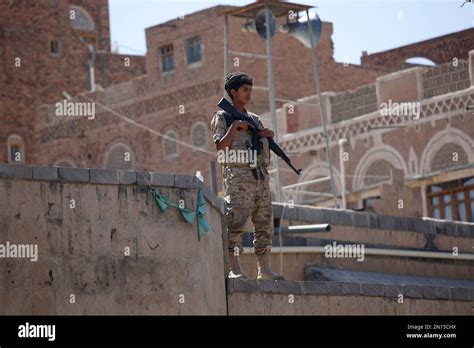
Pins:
<point x="259" y="26"/>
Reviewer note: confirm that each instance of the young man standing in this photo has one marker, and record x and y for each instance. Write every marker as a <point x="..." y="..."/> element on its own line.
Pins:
<point x="246" y="185"/>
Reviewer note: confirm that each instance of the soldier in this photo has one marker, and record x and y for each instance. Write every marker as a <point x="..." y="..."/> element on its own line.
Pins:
<point x="246" y="185"/>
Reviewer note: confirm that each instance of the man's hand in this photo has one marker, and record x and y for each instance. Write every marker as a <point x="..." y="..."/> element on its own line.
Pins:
<point x="241" y="125"/>
<point x="265" y="132"/>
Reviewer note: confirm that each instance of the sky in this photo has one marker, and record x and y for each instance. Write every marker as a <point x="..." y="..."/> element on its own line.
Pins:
<point x="358" y="25"/>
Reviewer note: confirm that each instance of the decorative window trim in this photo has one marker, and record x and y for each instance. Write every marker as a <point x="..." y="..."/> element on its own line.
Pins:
<point x="442" y="138"/>
<point x="70" y="163"/>
<point x="173" y="155"/>
<point x="383" y="152"/>
<point x="316" y="170"/>
<point x="204" y="125"/>
<point x="15" y="140"/>
<point x="115" y="145"/>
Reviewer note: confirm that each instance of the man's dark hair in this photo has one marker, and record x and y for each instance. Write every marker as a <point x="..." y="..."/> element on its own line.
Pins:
<point x="236" y="79"/>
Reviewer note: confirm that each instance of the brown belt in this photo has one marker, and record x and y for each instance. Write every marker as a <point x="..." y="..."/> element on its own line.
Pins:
<point x="255" y="170"/>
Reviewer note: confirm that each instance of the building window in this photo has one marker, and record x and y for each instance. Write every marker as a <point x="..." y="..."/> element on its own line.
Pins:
<point x="120" y="157"/>
<point x="167" y="58"/>
<point x="194" y="50"/>
<point x="368" y="203"/>
<point x="452" y="200"/>
<point x="199" y="135"/>
<point x="54" y="48"/>
<point x="170" y="146"/>
<point x="16" y="149"/>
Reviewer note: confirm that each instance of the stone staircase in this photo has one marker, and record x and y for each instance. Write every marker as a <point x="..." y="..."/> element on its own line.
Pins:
<point x="429" y="263"/>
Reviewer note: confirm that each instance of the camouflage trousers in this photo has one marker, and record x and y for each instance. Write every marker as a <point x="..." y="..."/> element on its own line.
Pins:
<point x="247" y="197"/>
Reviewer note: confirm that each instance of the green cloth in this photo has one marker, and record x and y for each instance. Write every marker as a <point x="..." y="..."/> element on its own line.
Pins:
<point x="188" y="214"/>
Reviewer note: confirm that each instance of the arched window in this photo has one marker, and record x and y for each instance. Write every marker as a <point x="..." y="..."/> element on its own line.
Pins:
<point x="448" y="148"/>
<point x="374" y="166"/>
<point x="199" y="135"/>
<point x="378" y="171"/>
<point x="314" y="193"/>
<point x="450" y="155"/>
<point x="170" y="147"/>
<point x="16" y="149"/>
<point x="119" y="156"/>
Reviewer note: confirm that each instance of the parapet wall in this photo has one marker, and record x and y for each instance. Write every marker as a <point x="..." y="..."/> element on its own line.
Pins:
<point x="104" y="247"/>
<point x="416" y="84"/>
<point x="250" y="297"/>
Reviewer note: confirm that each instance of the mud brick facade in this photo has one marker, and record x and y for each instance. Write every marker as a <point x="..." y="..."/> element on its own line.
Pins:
<point x="176" y="102"/>
<point x="41" y="55"/>
<point x="179" y="104"/>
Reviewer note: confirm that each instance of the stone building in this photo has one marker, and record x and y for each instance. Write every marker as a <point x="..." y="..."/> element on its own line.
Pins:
<point x="47" y="48"/>
<point x="408" y="153"/>
<point x="160" y="120"/>
<point x="178" y="96"/>
<point x="409" y="149"/>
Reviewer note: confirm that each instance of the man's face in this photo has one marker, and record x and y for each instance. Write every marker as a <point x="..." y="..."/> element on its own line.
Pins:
<point x="243" y="94"/>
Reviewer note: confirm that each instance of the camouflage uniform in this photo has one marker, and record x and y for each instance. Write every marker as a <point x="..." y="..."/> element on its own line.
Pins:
<point x="246" y="196"/>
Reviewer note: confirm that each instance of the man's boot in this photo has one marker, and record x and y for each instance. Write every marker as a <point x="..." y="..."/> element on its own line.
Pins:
<point x="264" y="269"/>
<point x="234" y="267"/>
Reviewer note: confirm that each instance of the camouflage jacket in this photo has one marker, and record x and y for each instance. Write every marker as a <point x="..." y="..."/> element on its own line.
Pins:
<point x="241" y="154"/>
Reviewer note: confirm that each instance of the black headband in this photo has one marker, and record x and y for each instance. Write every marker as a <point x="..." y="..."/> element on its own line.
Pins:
<point x="233" y="80"/>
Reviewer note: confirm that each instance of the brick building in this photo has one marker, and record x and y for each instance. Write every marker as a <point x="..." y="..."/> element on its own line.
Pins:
<point x="46" y="49"/>
<point x="415" y="164"/>
<point x="178" y="97"/>
<point x="160" y="120"/>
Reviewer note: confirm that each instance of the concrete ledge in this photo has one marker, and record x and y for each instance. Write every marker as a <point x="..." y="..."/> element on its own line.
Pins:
<point x="162" y="179"/>
<point x="326" y="274"/>
<point x="45" y="173"/>
<point x="424" y="226"/>
<point x="110" y="177"/>
<point x="286" y="287"/>
<point x="127" y="177"/>
<point x="16" y="171"/>
<point x="104" y="176"/>
<point x="185" y="181"/>
<point x="143" y="178"/>
<point x="74" y="174"/>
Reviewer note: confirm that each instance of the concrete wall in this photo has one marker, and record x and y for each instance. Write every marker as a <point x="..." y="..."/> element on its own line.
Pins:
<point x="344" y="298"/>
<point x="169" y="271"/>
<point x="82" y="250"/>
<point x="373" y="231"/>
